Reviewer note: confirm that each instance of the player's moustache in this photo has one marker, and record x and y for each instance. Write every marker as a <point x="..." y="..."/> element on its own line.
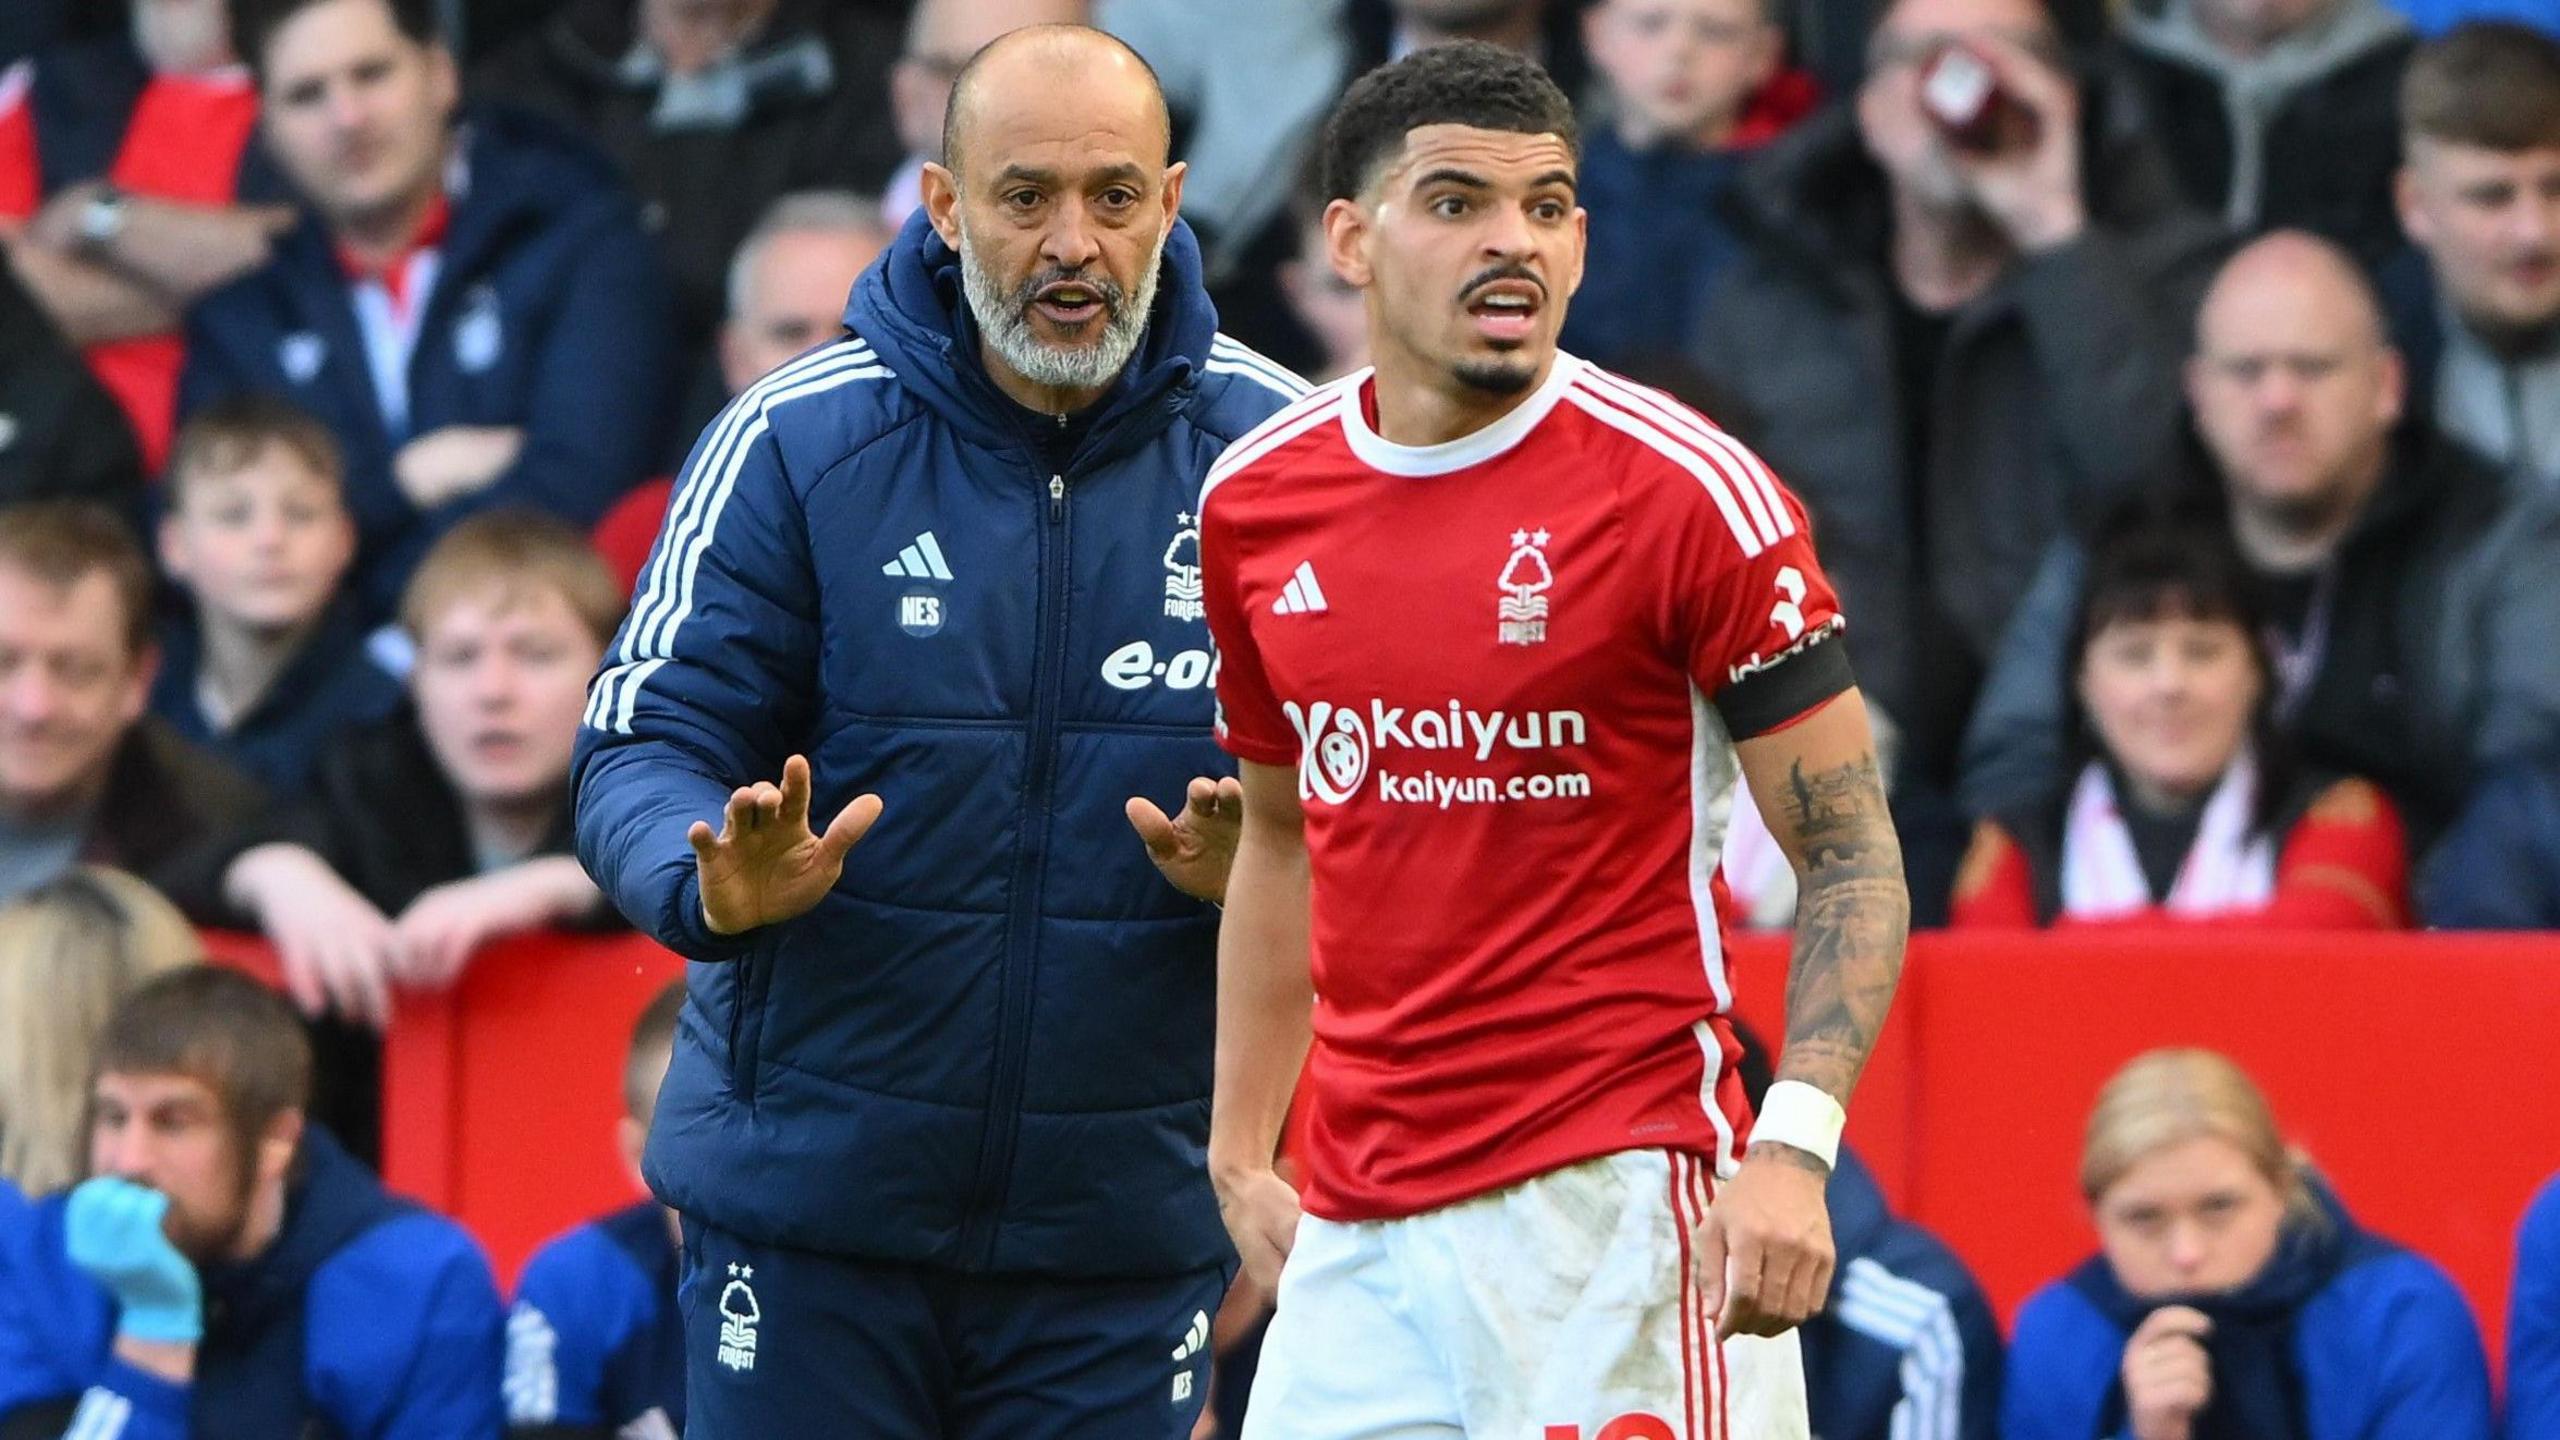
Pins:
<point x="1513" y="271"/>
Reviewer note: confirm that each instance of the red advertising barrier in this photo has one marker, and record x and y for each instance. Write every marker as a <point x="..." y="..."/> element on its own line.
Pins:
<point x="2418" y="1071"/>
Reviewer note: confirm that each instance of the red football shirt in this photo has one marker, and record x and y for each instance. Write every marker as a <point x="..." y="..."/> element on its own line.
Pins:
<point x="1508" y="670"/>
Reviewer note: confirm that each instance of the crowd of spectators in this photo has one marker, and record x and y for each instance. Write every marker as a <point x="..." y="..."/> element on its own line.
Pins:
<point x="2183" y="438"/>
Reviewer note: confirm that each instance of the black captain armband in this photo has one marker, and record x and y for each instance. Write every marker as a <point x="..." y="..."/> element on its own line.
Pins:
<point x="1774" y="693"/>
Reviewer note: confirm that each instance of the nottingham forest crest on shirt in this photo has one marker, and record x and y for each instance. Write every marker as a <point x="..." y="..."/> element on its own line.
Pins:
<point x="1521" y="614"/>
<point x="1182" y="570"/>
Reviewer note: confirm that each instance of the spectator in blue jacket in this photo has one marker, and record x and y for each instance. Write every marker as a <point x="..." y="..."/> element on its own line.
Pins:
<point x="2498" y="867"/>
<point x="471" y="308"/>
<point x="2232" y="1295"/>
<point x="2533" y="1323"/>
<point x="1906" y="1345"/>
<point x="594" y="1348"/>
<point x="227" y="1271"/>
<point x="936" y="1120"/>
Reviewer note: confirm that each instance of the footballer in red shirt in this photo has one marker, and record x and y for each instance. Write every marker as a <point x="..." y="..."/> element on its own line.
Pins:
<point x="1496" y="631"/>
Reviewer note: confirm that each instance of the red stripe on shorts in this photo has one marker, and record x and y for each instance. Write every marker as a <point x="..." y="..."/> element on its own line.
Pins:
<point x="1689" y="1303"/>
<point x="1719" y="1425"/>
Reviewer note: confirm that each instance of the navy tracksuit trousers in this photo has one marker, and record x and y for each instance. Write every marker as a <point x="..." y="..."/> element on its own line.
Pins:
<point x="782" y="1344"/>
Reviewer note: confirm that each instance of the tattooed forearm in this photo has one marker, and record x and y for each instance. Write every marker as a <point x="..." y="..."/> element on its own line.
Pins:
<point x="1852" y="914"/>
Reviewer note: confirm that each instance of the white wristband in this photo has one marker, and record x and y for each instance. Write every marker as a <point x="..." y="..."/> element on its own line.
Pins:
<point x="1803" y="1116"/>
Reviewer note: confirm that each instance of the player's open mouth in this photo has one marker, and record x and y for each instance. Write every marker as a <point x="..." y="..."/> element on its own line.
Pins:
<point x="1069" y="304"/>
<point x="1506" y="309"/>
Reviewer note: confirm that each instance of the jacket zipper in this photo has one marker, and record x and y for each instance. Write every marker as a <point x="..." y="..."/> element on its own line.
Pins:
<point x="1022" y="927"/>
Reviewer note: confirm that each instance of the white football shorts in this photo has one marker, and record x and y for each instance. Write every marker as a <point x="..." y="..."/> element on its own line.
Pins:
<point x="1563" y="1308"/>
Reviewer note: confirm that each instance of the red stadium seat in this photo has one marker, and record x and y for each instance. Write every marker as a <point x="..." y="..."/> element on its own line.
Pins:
<point x="626" y="532"/>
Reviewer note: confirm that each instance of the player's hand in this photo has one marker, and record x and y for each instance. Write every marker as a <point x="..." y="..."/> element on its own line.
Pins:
<point x="1764" y="1252"/>
<point x="1196" y="848"/>
<point x="336" y="951"/>
<point x="441" y="930"/>
<point x="1261" y="1211"/>
<point x="2168" y="1378"/>
<point x="765" y="865"/>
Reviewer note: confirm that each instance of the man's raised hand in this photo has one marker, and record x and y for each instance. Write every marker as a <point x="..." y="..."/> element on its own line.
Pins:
<point x="766" y="865"/>
<point x="1196" y="848"/>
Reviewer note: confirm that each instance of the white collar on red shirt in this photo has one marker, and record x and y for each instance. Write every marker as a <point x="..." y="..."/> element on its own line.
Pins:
<point x="1379" y="453"/>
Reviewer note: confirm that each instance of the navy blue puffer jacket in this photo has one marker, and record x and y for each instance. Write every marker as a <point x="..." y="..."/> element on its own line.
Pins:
<point x="988" y="1049"/>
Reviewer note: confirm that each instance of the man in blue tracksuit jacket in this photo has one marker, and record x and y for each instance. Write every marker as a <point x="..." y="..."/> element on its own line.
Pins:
<point x="937" y="1127"/>
<point x="472" y="308"/>
<point x="2533" y="1323"/>
<point x="1906" y="1346"/>
<point x="230" y="1273"/>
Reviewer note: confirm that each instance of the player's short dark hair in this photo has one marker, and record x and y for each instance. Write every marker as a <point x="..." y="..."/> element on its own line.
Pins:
<point x="254" y="24"/>
<point x="2493" y="84"/>
<point x="964" y="83"/>
<point x="1466" y="82"/>
<point x="240" y="1038"/>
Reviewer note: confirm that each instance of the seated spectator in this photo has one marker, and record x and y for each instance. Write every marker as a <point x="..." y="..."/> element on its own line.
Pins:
<point x="267" y="664"/>
<point x="715" y="112"/>
<point x="941" y="36"/>
<point x="61" y="435"/>
<point x="2412" y="602"/>
<point x="2232" y="1293"/>
<point x="445" y="826"/>
<point x="226" y="1269"/>
<point x="1544" y="30"/>
<point x="1677" y="76"/>
<point x="2477" y="301"/>
<point x="594" y="1344"/>
<point x="1905" y="1344"/>
<point x="130" y="188"/>
<point x="791" y="279"/>
<point x="1249" y="87"/>
<point x="787" y="290"/>
<point x="1324" y="304"/>
<point x="83" y="774"/>
<point x="70" y="951"/>
<point x="1953" y="354"/>
<point x="2184" y="805"/>
<point x="2533" y="1323"/>
<point x="2498" y="866"/>
<point x="472" y="310"/>
<point x="2276" y="114"/>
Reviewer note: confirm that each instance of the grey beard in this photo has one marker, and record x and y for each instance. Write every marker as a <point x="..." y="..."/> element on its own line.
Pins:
<point x="1005" y="319"/>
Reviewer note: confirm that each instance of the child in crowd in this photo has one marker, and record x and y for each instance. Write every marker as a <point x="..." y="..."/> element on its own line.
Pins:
<point x="269" y="663"/>
<point x="445" y="825"/>
<point x="1692" y="84"/>
<point x="594" y="1345"/>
